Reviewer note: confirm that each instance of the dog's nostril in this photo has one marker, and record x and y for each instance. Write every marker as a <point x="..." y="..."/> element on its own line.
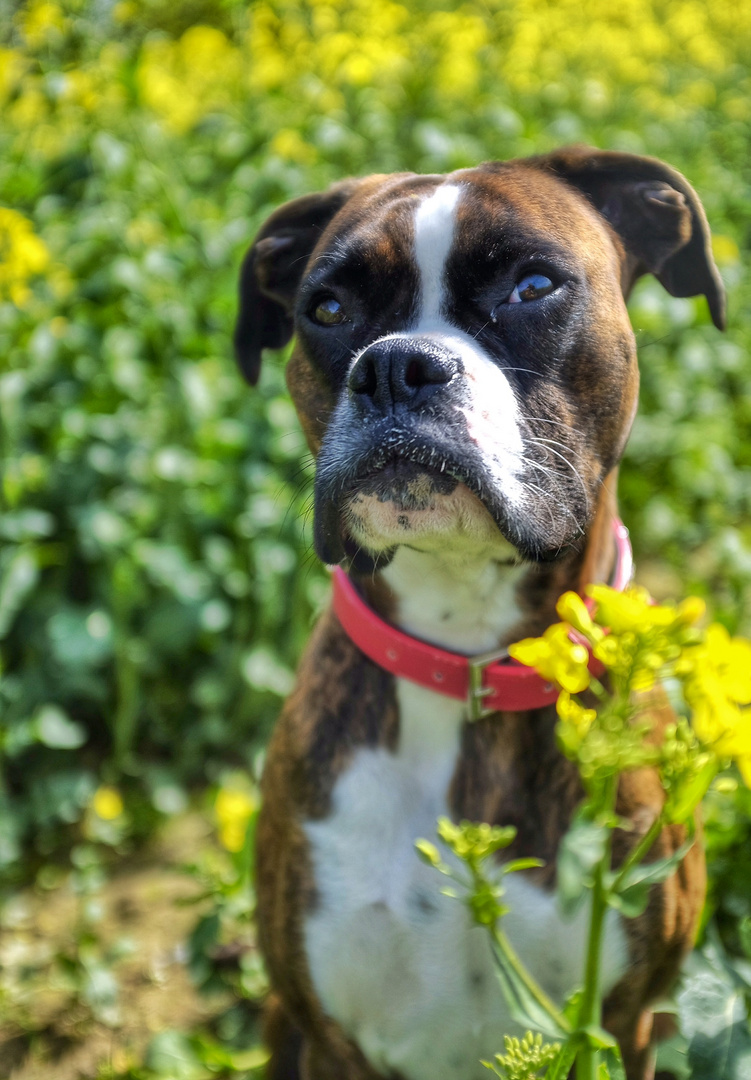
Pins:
<point x="363" y="379"/>
<point x="414" y="375"/>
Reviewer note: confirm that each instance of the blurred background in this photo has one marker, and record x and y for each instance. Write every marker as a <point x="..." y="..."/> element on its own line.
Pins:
<point x="156" y="575"/>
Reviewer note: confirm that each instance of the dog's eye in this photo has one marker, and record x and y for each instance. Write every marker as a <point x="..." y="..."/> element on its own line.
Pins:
<point x="328" y="312"/>
<point x="531" y="287"/>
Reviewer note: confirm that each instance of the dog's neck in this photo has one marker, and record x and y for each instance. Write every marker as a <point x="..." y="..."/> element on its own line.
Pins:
<point x="473" y="601"/>
<point x="465" y="603"/>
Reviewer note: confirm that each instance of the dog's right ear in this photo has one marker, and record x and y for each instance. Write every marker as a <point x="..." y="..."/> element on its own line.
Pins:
<point x="273" y="269"/>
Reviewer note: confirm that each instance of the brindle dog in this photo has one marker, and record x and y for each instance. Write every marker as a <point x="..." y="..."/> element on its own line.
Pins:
<point x="465" y="373"/>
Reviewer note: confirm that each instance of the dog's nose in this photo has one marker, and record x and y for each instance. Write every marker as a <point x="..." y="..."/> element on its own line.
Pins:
<point x="400" y="372"/>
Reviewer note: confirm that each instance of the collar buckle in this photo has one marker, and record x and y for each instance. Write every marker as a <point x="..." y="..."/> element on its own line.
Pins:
<point x="476" y="690"/>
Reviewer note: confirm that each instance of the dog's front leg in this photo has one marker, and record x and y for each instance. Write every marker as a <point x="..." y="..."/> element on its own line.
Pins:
<point x="333" y="1059"/>
<point x="325" y="1056"/>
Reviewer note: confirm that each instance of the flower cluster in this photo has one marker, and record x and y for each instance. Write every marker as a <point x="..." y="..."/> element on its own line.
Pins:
<point x="557" y="657"/>
<point x="640" y="644"/>
<point x="22" y="256"/>
<point x="183" y="81"/>
<point x="307" y="84"/>
<point x="524" y="1057"/>
<point x="717" y="684"/>
<point x="473" y="843"/>
<point x="234" y="808"/>
<point x="107" y="803"/>
<point x="320" y="56"/>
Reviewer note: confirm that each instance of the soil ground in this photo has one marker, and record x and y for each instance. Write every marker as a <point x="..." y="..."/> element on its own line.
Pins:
<point x="51" y="1033"/>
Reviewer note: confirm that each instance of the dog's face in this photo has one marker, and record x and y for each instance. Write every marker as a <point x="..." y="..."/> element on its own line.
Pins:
<point x="465" y="368"/>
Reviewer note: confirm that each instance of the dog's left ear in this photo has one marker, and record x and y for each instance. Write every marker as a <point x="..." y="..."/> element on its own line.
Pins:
<point x="273" y="269"/>
<point x="656" y="213"/>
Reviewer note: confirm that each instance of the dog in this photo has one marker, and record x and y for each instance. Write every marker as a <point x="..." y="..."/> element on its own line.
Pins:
<point x="465" y="374"/>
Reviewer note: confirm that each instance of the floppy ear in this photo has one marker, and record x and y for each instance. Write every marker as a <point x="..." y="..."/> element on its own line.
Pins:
<point x="656" y="213"/>
<point x="273" y="269"/>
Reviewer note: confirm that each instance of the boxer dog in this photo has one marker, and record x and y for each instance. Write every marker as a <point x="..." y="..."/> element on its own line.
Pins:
<point x="465" y="374"/>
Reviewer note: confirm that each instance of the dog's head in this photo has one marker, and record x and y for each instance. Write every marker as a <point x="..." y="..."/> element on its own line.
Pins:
<point x="465" y="366"/>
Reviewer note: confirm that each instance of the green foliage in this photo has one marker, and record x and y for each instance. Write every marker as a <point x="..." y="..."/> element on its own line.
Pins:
<point x="173" y="1055"/>
<point x="714" y="1006"/>
<point x="156" y="581"/>
<point x="581" y="850"/>
<point x="156" y="577"/>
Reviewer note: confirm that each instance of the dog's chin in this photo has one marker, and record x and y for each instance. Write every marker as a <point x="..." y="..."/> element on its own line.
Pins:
<point x="409" y="503"/>
<point x="424" y="515"/>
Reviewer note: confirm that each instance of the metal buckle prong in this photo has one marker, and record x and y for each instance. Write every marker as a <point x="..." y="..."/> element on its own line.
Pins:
<point x="475" y="690"/>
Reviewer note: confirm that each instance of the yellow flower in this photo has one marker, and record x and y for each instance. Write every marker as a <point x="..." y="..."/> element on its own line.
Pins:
<point x="12" y="67"/>
<point x="629" y="610"/>
<point x="574" y="611"/>
<point x="556" y="657"/>
<point x="288" y="144"/>
<point x="574" y="714"/>
<point x="234" y="807"/>
<point x="727" y="660"/>
<point x="42" y="21"/>
<point x="728" y="726"/>
<point x="724" y="248"/>
<point x="22" y="256"/>
<point x="575" y="724"/>
<point x="185" y="80"/>
<point x="107" y="803"/>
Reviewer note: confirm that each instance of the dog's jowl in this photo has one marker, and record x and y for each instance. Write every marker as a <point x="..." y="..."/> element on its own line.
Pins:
<point x="465" y="373"/>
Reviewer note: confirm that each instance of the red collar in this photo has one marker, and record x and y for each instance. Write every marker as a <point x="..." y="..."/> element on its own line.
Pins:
<point x="492" y="682"/>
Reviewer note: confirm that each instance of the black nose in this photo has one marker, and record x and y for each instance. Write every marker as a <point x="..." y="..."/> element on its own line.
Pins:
<point x="400" y="371"/>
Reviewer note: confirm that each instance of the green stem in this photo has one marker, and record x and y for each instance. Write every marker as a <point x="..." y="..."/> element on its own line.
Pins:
<point x="598" y="689"/>
<point x="590" y="1009"/>
<point x="638" y="852"/>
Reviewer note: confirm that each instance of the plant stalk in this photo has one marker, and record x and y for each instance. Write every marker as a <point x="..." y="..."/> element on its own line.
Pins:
<point x="542" y="999"/>
<point x="590" y="1009"/>
<point x="638" y="852"/>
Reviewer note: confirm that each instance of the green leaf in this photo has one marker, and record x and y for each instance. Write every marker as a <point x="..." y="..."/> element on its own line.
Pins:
<point x="713" y="1017"/>
<point x="217" y="1056"/>
<point x="632" y="895"/>
<point x="54" y="728"/>
<point x="724" y="1056"/>
<point x="581" y="850"/>
<point x="171" y="1055"/>
<point x="614" y="1063"/>
<point x="572" y="1005"/>
<point x="598" y="1037"/>
<point x="691" y="794"/>
<point x="18" y="576"/>
<point x="263" y="670"/>
<point x="524" y="1007"/>
<point x="672" y="1057"/>
<point x="560" y="1066"/>
<point x="744" y="933"/>
<point x="522" y="864"/>
<point x="632" y="901"/>
<point x="250" y="1059"/>
<point x="660" y="870"/>
<point x="79" y="638"/>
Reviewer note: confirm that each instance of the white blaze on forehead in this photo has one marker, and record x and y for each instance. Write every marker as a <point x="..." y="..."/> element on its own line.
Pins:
<point x="434" y="234"/>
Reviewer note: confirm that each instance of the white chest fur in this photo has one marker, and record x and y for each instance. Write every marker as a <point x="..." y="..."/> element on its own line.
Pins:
<point x="395" y="962"/>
